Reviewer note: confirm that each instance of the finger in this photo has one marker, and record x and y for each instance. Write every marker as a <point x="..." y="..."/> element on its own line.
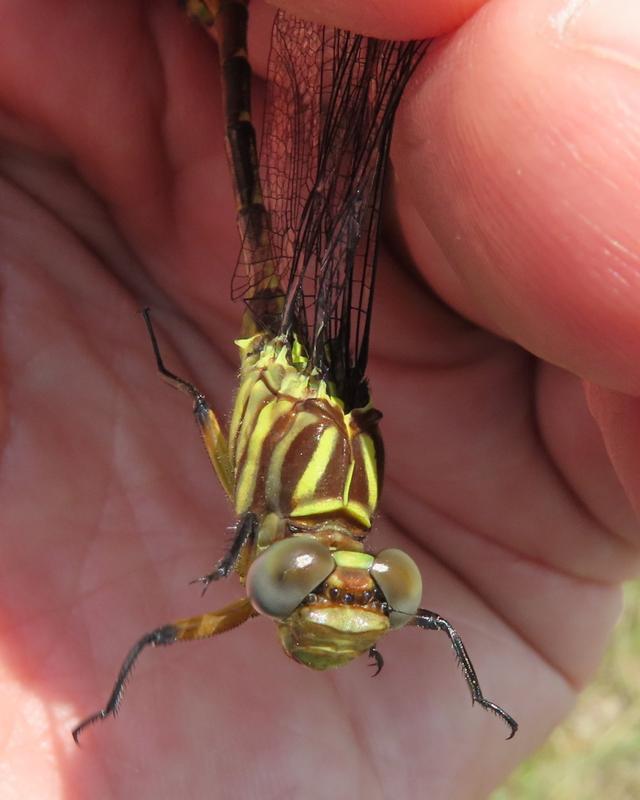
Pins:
<point x="417" y="20"/>
<point x="522" y="164"/>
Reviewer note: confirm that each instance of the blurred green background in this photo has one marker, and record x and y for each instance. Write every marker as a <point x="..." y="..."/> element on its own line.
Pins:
<point x="596" y="753"/>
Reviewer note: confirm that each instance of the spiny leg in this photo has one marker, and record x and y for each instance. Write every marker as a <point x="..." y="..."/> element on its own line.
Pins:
<point x="212" y="436"/>
<point x="429" y="620"/>
<point x="245" y="535"/>
<point x="201" y="627"/>
<point x="378" y="660"/>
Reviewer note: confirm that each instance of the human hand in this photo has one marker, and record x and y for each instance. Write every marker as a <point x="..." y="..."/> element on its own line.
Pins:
<point x="516" y="200"/>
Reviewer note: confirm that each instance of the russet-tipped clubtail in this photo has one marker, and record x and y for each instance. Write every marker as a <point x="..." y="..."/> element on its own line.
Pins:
<point x="302" y="459"/>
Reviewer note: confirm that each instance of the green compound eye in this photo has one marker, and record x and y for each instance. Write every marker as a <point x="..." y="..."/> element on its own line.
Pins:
<point x="400" y="582"/>
<point x="280" y="578"/>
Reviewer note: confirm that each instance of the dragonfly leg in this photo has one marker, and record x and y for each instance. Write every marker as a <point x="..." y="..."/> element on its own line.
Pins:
<point x="378" y="660"/>
<point x="429" y="620"/>
<point x="201" y="627"/>
<point x="214" y="439"/>
<point x="244" y="537"/>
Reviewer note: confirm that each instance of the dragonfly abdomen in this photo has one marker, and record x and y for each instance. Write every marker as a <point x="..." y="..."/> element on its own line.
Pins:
<point x="294" y="451"/>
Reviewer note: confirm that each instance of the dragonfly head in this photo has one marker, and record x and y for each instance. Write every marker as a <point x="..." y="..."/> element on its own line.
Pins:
<point x="332" y="605"/>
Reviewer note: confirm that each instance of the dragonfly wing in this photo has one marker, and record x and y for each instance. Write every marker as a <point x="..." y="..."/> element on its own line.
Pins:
<point x="332" y="97"/>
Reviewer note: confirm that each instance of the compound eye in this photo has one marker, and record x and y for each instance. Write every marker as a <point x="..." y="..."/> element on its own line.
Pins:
<point x="400" y="582"/>
<point x="280" y="578"/>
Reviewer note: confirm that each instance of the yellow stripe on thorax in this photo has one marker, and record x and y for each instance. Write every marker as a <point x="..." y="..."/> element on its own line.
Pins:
<point x="249" y="404"/>
<point x="370" y="467"/>
<point x="321" y="459"/>
<point x="254" y="437"/>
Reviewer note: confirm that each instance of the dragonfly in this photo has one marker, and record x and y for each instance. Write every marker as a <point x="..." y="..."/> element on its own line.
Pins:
<point x="302" y="459"/>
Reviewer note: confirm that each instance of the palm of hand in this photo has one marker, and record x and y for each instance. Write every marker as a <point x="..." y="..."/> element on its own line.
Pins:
<point x="109" y="507"/>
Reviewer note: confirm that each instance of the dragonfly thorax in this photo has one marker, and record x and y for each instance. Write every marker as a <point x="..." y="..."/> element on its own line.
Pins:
<point x="294" y="450"/>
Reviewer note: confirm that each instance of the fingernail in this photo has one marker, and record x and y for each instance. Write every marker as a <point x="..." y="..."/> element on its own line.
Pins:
<point x="608" y="29"/>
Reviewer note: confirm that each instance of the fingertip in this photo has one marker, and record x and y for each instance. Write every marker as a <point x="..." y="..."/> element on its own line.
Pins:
<point x="528" y="176"/>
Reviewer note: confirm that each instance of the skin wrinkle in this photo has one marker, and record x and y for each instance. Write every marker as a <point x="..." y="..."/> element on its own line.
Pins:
<point x="608" y="54"/>
<point x="222" y="352"/>
<point x="116" y="424"/>
<point x="574" y="152"/>
<point x="65" y="216"/>
<point x="616" y="246"/>
<point x="629" y="254"/>
<point x="465" y="581"/>
<point x="119" y="441"/>
<point x="585" y="164"/>
<point x="125" y="402"/>
<point x="401" y="490"/>
<point x="369" y="762"/>
<point x="476" y="533"/>
<point x="562" y="20"/>
<point x="624" y="535"/>
<point x="407" y="270"/>
<point x="579" y="503"/>
<point x="451" y="365"/>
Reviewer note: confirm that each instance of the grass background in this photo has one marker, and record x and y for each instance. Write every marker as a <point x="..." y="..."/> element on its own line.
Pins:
<point x="596" y="753"/>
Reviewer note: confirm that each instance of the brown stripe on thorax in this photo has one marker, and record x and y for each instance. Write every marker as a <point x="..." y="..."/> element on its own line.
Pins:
<point x="331" y="480"/>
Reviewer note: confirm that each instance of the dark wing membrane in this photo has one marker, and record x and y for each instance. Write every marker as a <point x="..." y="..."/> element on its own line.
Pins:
<point x="331" y="100"/>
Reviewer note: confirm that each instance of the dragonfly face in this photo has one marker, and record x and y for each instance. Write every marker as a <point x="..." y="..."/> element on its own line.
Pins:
<point x="332" y="606"/>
